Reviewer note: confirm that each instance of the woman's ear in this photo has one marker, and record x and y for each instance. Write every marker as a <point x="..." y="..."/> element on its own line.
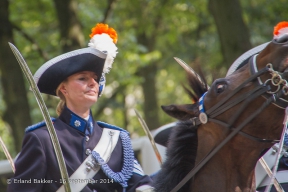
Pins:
<point x="62" y="89"/>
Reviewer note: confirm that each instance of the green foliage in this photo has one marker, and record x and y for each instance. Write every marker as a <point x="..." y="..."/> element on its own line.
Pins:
<point x="179" y="28"/>
<point x="262" y="16"/>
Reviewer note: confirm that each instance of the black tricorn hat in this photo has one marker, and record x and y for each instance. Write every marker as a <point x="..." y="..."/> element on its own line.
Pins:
<point x="49" y="76"/>
<point x="162" y="134"/>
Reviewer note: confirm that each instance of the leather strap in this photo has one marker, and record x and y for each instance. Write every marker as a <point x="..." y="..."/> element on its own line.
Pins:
<point x="81" y="177"/>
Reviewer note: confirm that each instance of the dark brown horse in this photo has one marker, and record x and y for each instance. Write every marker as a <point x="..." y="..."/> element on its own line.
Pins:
<point x="246" y="106"/>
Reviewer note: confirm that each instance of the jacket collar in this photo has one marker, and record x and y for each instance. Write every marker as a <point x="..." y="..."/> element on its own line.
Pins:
<point x="76" y="121"/>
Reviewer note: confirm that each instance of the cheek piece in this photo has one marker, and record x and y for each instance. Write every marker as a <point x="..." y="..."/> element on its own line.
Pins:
<point x="101" y="84"/>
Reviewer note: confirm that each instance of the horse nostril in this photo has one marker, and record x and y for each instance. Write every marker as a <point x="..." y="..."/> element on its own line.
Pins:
<point x="282" y="39"/>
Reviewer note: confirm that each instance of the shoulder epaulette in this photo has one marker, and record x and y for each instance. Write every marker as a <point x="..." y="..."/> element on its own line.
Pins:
<point x="37" y="125"/>
<point x="109" y="126"/>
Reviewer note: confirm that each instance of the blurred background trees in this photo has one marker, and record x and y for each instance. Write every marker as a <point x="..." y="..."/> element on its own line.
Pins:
<point x="210" y="34"/>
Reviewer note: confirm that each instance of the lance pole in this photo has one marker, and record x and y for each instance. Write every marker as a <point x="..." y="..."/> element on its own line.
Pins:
<point x="270" y="174"/>
<point x="149" y="135"/>
<point x="281" y="143"/>
<point x="46" y="116"/>
<point x="7" y="154"/>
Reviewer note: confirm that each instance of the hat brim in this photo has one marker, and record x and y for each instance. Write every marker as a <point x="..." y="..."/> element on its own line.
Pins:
<point x="162" y="134"/>
<point x="49" y="76"/>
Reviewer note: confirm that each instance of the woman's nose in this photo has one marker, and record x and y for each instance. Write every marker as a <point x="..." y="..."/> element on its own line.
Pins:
<point x="92" y="82"/>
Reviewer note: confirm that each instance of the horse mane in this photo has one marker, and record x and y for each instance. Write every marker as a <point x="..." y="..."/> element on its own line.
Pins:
<point x="182" y="145"/>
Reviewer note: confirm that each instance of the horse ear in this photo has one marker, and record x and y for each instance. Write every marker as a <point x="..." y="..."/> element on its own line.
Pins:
<point x="182" y="112"/>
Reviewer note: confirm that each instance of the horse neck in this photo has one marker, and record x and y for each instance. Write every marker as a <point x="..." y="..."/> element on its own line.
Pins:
<point x="231" y="168"/>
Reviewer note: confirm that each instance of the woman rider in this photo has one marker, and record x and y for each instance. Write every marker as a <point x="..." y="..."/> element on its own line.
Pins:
<point x="77" y="78"/>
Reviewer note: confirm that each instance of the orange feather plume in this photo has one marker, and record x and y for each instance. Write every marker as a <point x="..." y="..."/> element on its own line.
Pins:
<point x="104" y="28"/>
<point x="279" y="26"/>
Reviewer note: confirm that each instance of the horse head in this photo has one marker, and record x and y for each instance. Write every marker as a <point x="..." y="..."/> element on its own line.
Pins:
<point x="236" y="120"/>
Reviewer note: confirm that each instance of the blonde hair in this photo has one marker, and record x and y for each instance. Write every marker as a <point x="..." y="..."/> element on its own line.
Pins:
<point x="62" y="101"/>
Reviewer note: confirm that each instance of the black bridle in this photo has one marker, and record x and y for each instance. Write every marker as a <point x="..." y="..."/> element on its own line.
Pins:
<point x="262" y="89"/>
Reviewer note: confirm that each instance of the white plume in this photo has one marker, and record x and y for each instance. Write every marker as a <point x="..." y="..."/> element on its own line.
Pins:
<point x="104" y="43"/>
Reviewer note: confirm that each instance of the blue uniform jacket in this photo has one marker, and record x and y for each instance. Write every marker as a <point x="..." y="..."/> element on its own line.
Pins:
<point x="37" y="168"/>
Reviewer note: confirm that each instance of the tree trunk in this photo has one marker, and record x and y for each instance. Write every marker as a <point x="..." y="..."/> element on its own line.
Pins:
<point x="17" y="113"/>
<point x="148" y="73"/>
<point x="233" y="33"/>
<point x="70" y="28"/>
<point x="149" y="91"/>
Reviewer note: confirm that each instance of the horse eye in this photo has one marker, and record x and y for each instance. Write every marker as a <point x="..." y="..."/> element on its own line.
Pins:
<point x="220" y="88"/>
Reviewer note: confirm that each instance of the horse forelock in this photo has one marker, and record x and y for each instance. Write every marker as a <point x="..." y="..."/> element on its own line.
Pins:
<point x="197" y="87"/>
<point x="181" y="155"/>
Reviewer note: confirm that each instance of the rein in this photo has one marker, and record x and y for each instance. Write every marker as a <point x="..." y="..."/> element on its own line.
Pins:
<point x="247" y="98"/>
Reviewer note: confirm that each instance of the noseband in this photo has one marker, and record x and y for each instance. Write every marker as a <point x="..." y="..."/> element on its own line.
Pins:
<point x="262" y="89"/>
